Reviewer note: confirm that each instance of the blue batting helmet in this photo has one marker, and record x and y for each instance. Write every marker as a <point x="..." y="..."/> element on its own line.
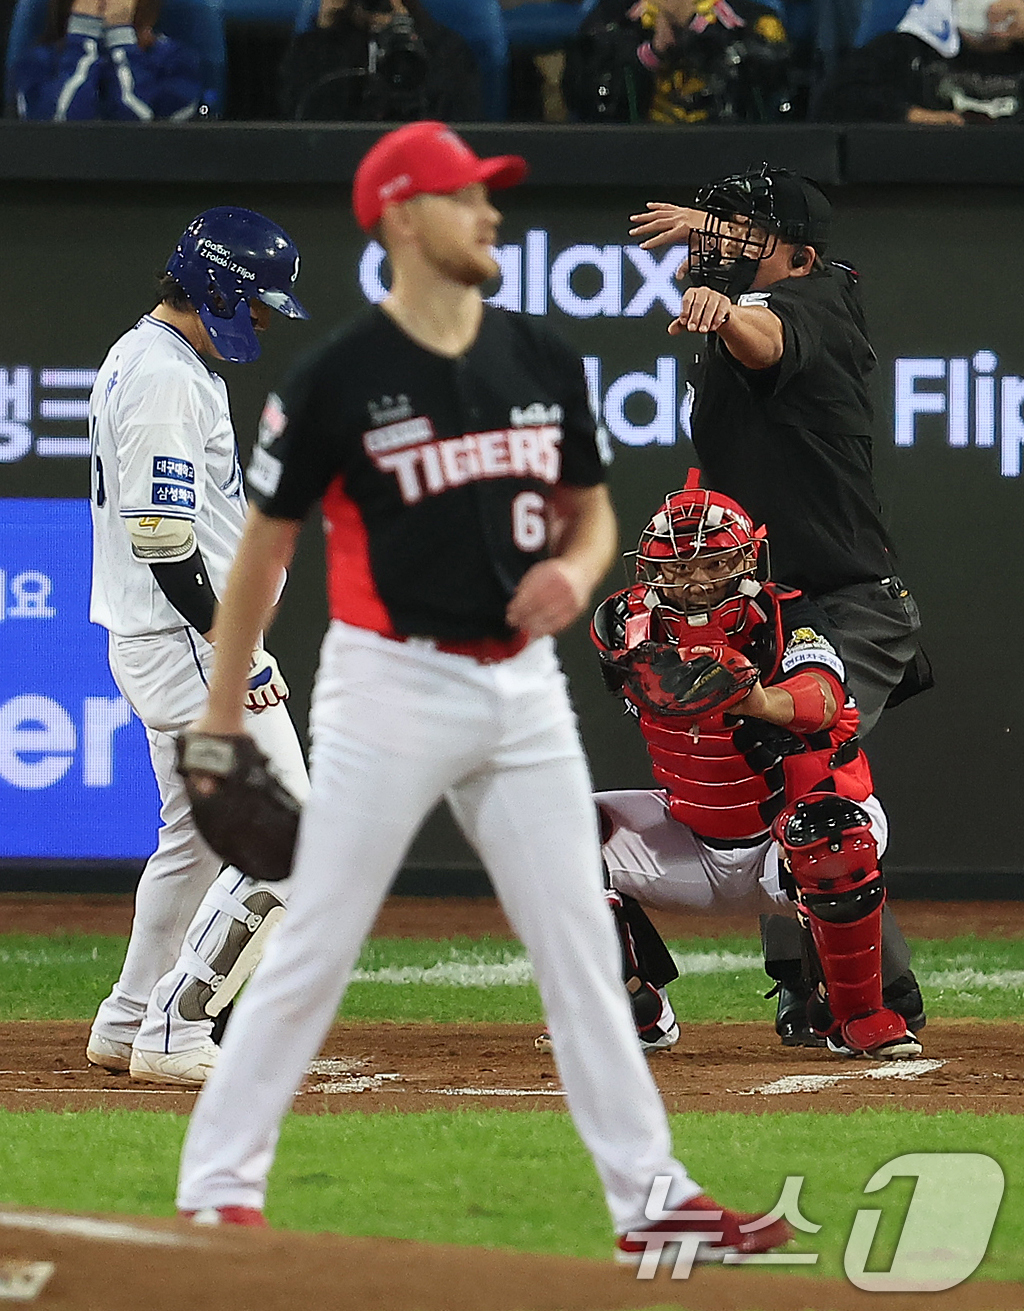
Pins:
<point x="225" y="258"/>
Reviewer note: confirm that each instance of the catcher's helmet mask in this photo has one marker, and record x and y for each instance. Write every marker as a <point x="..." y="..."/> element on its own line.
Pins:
<point x="700" y="526"/>
<point x="227" y="257"/>
<point x="747" y="215"/>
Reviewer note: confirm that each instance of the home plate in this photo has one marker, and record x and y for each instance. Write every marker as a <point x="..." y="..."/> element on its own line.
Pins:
<point x="803" y="1083"/>
<point x="343" y="1077"/>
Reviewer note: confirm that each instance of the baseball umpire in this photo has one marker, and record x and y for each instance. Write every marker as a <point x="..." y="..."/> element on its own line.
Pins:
<point x="782" y="422"/>
<point x="441" y="437"/>
<point x="765" y="799"/>
<point x="168" y="510"/>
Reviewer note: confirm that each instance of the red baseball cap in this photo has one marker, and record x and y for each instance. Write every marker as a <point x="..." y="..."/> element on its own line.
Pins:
<point x="425" y="158"/>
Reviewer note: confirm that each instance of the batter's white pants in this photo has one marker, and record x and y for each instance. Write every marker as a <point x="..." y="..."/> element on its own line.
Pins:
<point x="396" y="727"/>
<point x="662" y="863"/>
<point x="184" y="904"/>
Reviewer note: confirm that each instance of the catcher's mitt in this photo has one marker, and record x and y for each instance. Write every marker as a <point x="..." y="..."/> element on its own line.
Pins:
<point x="689" y="682"/>
<point x="249" y="818"/>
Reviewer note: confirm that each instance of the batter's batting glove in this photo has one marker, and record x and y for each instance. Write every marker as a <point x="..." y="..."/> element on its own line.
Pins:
<point x="266" y="686"/>
<point x="245" y="813"/>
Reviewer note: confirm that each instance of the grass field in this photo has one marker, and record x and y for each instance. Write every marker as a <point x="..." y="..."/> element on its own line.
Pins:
<point x="517" y="1179"/>
<point x="510" y="1179"/>
<point x="488" y="979"/>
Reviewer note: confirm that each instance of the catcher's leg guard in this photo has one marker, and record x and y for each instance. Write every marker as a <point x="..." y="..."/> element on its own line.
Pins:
<point x="221" y="962"/>
<point x="833" y="859"/>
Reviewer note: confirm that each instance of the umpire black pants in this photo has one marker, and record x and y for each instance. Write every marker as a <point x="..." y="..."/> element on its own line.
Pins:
<point x="876" y="624"/>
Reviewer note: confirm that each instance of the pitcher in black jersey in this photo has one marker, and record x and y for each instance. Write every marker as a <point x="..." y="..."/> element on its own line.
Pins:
<point x="442" y="438"/>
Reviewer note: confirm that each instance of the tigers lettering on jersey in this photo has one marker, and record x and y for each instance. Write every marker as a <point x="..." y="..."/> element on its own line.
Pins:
<point x="425" y="467"/>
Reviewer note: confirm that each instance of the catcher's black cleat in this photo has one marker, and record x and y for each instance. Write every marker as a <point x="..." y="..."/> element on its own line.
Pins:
<point x="791" y="1022"/>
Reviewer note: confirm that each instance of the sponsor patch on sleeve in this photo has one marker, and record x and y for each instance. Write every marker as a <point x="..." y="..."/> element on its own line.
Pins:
<point x="754" y="298"/>
<point x="174" y="468"/>
<point x="273" y="421"/>
<point x="806" y="647"/>
<point x="171" y="495"/>
<point x="264" y="472"/>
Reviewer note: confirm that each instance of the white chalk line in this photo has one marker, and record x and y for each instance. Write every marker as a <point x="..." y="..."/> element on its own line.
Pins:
<point x="467" y="970"/>
<point x="103" y="1230"/>
<point x="496" y="1092"/>
<point x="802" y="1083"/>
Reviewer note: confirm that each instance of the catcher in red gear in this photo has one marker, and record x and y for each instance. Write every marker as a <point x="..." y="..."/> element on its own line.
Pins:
<point x="765" y="800"/>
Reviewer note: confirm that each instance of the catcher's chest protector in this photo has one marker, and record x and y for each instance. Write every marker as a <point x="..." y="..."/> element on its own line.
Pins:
<point x="713" y="787"/>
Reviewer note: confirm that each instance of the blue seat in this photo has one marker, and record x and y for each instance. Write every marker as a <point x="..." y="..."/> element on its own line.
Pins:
<point x="878" y="16"/>
<point x="545" y="24"/>
<point x="195" y="23"/>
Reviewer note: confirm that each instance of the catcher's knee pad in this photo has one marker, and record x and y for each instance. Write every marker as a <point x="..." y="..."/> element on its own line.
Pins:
<point x="832" y="856"/>
<point x="218" y="977"/>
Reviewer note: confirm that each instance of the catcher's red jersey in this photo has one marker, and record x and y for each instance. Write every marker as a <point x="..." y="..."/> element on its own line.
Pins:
<point x="727" y="780"/>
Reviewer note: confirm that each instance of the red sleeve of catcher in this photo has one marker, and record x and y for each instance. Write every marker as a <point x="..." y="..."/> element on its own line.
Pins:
<point x="809" y="701"/>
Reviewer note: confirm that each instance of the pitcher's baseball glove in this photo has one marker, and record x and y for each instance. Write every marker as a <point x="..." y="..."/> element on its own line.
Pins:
<point x="690" y="683"/>
<point x="244" y="812"/>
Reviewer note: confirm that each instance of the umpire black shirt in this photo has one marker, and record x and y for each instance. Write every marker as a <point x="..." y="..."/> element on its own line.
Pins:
<point x="793" y="443"/>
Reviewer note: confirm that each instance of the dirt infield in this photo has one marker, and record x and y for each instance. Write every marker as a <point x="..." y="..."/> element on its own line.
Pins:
<point x="417" y="1067"/>
<point x="126" y="1263"/>
<point x="122" y="1265"/>
<point x="448" y="917"/>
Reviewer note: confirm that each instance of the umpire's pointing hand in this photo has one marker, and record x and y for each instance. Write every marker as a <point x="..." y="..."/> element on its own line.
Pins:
<point x="550" y="595"/>
<point x="702" y="310"/>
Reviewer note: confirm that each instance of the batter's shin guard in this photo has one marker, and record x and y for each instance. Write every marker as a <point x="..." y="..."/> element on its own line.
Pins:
<point x="830" y="851"/>
<point x="229" y="947"/>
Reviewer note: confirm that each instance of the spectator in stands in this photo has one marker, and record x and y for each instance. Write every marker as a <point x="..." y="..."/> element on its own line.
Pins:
<point x="379" y="60"/>
<point x="714" y="61"/>
<point x="105" y="59"/>
<point x="956" y="64"/>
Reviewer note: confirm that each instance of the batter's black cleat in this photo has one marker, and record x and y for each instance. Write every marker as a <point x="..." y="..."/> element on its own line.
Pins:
<point x="791" y="1022"/>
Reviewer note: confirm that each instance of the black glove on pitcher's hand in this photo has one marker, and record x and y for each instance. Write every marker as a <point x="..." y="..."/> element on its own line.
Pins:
<point x="247" y="816"/>
<point x="689" y="682"/>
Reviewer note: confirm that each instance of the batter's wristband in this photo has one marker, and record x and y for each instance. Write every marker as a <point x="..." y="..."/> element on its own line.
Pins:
<point x="809" y="703"/>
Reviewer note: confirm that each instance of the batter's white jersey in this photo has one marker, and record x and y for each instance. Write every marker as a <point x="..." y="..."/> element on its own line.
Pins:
<point x="162" y="444"/>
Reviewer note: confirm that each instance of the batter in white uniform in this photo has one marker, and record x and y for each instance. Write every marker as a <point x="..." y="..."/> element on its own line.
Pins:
<point x="168" y="511"/>
<point x="444" y="439"/>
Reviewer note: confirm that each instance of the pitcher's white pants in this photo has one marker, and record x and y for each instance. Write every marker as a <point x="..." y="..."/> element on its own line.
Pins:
<point x="395" y="727"/>
<point x="164" y="678"/>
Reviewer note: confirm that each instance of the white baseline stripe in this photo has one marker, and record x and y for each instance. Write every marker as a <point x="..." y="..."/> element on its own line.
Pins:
<point x="798" y="1083"/>
<point x="469" y="972"/>
<point x="104" y="1230"/>
<point x="497" y="1092"/>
